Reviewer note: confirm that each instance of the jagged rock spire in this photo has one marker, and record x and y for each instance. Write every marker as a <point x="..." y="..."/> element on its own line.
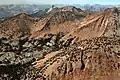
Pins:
<point x="52" y="7"/>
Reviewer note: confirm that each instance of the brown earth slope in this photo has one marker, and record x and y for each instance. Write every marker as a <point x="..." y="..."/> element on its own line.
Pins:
<point x="16" y="26"/>
<point x="24" y="25"/>
<point x="96" y="25"/>
<point x="60" y="21"/>
<point x="94" y="59"/>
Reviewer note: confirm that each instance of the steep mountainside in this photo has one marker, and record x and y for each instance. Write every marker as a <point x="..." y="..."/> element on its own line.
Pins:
<point x="96" y="25"/>
<point x="54" y="22"/>
<point x="59" y="21"/>
<point x="16" y="26"/>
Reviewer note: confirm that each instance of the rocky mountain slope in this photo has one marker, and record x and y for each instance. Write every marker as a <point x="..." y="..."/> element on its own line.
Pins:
<point x="96" y="25"/>
<point x="25" y="25"/>
<point x="94" y="59"/>
<point x="58" y="22"/>
<point x="90" y="59"/>
<point x="16" y="26"/>
<point x="62" y="45"/>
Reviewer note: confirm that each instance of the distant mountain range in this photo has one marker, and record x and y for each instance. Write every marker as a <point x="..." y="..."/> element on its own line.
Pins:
<point x="11" y="10"/>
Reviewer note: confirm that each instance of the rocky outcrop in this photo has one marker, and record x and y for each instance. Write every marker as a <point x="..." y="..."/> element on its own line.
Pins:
<point x="17" y="56"/>
<point x="90" y="57"/>
<point x="97" y="57"/>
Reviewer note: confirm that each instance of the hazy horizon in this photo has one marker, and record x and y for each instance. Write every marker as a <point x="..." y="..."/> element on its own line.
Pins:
<point x="82" y="2"/>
